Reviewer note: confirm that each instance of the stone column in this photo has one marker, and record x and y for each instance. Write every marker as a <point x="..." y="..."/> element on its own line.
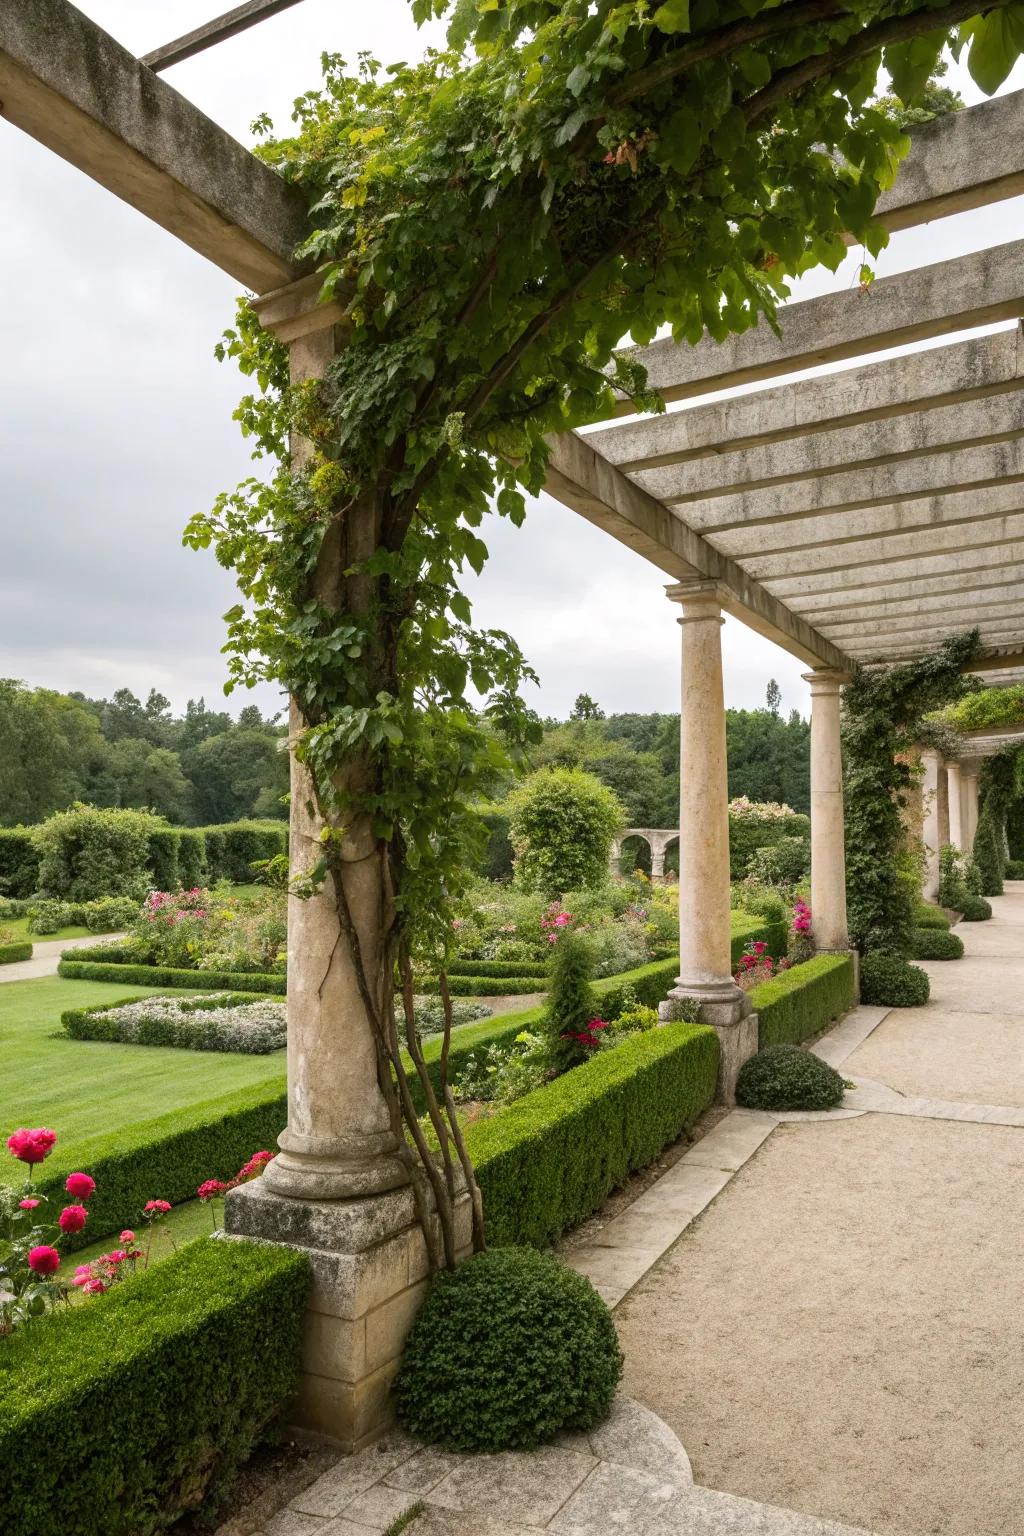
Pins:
<point x="956" y="802"/>
<point x="828" y="830"/>
<point x="614" y="871"/>
<point x="657" y="860"/>
<point x="969" y="785"/>
<point x="338" y="1187"/>
<point x="705" y="962"/>
<point x="932" y="764"/>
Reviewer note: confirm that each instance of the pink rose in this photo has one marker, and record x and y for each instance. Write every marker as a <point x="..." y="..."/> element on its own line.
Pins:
<point x="94" y="1287"/>
<point x="72" y="1218"/>
<point x="43" y="1260"/>
<point x="80" y="1185"/>
<point x="157" y="1207"/>
<point x="31" y="1146"/>
<point x="211" y="1188"/>
<point x="127" y="1236"/>
<point x="28" y="1205"/>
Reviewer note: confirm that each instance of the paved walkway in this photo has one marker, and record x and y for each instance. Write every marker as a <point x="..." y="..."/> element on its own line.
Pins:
<point x="46" y="954"/>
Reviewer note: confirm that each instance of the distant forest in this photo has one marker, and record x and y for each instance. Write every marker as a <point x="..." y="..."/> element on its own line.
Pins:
<point x="203" y="766"/>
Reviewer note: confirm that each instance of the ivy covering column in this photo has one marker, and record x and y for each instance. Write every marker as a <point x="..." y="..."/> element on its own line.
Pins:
<point x="931" y="829"/>
<point x="705" y="939"/>
<point x="828" y="834"/>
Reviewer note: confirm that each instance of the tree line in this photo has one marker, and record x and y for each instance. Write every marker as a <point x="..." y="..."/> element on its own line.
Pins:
<point x="197" y="768"/>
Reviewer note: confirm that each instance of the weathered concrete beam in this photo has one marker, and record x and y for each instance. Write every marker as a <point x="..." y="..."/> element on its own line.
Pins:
<point x="902" y="479"/>
<point x="965" y="160"/>
<point x="1002" y="659"/>
<point x="889" y="605"/>
<point x="922" y="543"/>
<point x="967" y="424"/>
<point x="957" y="295"/>
<point x="845" y="529"/>
<point x="67" y="83"/>
<point x="836" y="585"/>
<point x="997" y="675"/>
<point x="579" y="478"/>
<point x="926" y="643"/>
<point x="844" y="630"/>
<point x="874" y="392"/>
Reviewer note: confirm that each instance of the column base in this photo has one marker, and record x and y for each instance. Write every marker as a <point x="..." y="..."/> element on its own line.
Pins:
<point x="307" y="1168"/>
<point x="370" y="1274"/>
<point x="727" y="1009"/>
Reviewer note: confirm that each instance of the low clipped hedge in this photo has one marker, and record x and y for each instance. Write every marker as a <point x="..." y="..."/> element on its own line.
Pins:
<point x="136" y="975"/>
<point x="20" y="950"/>
<point x="936" y="944"/>
<point x="496" y="968"/>
<point x="123" y="1413"/>
<point x="976" y="909"/>
<point x="548" y="1161"/>
<point x="800" y="1002"/>
<point x="928" y="916"/>
<point x="750" y="930"/>
<point x="485" y="986"/>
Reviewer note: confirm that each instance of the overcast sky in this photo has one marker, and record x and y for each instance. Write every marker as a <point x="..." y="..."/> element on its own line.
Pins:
<point x="115" y="420"/>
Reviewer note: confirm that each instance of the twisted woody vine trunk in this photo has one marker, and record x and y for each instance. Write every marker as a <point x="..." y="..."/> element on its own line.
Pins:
<point x="494" y="221"/>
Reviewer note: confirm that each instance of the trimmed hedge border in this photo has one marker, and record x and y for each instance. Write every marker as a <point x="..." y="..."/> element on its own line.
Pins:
<point x="548" y="1161"/>
<point x="497" y="968"/>
<point x="484" y="986"/>
<point x="155" y="1394"/>
<point x="11" y="953"/>
<point x="936" y="944"/>
<point x="167" y="976"/>
<point x="801" y="1001"/>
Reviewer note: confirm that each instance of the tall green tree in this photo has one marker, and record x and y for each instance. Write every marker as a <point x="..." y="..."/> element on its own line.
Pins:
<point x="50" y="748"/>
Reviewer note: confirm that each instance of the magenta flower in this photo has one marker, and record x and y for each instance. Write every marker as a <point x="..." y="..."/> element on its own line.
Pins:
<point x="31" y="1146"/>
<point x="43" y="1260"/>
<point x="80" y="1185"/>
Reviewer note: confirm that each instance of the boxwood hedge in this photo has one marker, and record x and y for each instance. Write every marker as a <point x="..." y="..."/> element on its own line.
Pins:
<point x="20" y="950"/>
<point x="800" y="1002"/>
<point x="936" y="944"/>
<point x="155" y="1394"/>
<point x="548" y="1161"/>
<point x="134" y="974"/>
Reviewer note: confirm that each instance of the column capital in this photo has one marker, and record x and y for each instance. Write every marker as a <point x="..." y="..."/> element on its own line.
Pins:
<point x="826" y="679"/>
<point x="295" y="310"/>
<point x="700" y="599"/>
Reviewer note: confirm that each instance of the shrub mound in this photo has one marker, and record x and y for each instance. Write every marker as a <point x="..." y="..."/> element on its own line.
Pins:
<point x="927" y="916"/>
<point x="936" y="944"/>
<point x="505" y="1353"/>
<point x="123" y="1413"/>
<point x="976" y="909"/>
<point x="19" y="950"/>
<point x="1015" y="869"/>
<point x="787" y="1077"/>
<point x="889" y="981"/>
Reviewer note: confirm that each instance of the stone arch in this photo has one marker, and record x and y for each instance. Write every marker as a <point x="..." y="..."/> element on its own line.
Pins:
<point x="655" y="840"/>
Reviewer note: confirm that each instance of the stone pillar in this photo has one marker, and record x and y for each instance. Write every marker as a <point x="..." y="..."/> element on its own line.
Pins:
<point x="969" y="785"/>
<point x="614" y="871"/>
<point x="657" y="861"/>
<point x="705" y="962"/>
<point x="828" y="830"/>
<point x="931" y="832"/>
<point x="338" y="1187"/>
<point x="956" y="801"/>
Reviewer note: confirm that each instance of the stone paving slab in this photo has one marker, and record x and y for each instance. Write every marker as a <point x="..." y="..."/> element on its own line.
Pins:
<point x="852" y="1030"/>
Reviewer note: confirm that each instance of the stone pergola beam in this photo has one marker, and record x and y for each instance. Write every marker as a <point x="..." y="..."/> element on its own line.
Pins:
<point x="837" y="528"/>
<point x="866" y="554"/>
<point x="580" y="479"/>
<point x="1004" y="600"/>
<point x="958" y="295"/>
<point x="937" y="593"/>
<point x="877" y="391"/>
<point x="914" y="435"/>
<point x="937" y="475"/>
<point x="994" y="561"/>
<point x="852" y="634"/>
<point x="68" y="84"/>
<point x="964" y="160"/>
<point x="873" y="643"/>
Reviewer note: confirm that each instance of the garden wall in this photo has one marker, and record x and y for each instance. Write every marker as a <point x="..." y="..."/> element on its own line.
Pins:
<point x="154" y="1394"/>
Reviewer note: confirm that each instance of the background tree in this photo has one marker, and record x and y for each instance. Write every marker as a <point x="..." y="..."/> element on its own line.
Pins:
<point x="773" y="697"/>
<point x="585" y="709"/>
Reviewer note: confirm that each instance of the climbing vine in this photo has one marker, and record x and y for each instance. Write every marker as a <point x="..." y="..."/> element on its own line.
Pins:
<point x="494" y="221"/>
<point x="883" y="720"/>
<point x="1002" y="783"/>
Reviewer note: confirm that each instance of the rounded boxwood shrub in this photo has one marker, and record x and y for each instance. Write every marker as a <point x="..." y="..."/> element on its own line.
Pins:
<point x="976" y="909"/>
<point x="787" y="1077"/>
<point x="506" y="1352"/>
<point x="936" y="944"/>
<point x="889" y="981"/>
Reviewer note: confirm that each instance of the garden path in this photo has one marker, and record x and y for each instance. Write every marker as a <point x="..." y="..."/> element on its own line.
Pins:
<point x="837" y="1332"/>
<point x="46" y="955"/>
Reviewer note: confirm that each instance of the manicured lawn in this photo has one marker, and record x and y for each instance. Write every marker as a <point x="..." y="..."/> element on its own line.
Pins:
<point x="184" y="1223"/>
<point x="84" y="1088"/>
<point x="17" y="927"/>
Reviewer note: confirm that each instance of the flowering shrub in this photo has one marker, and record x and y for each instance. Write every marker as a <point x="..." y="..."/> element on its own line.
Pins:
<point x="757" y="966"/>
<point x="214" y="930"/>
<point x="502" y="1074"/>
<point x="214" y="1021"/>
<point x="744" y="809"/>
<point x="801" y="934"/>
<point x="28" y="1262"/>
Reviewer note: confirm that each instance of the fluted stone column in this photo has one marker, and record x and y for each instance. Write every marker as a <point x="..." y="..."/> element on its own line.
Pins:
<point x="828" y="831"/>
<point x="969" y="785"/>
<point x="956" y="806"/>
<point x="931" y="829"/>
<point x="338" y="1188"/>
<point x="705" y="960"/>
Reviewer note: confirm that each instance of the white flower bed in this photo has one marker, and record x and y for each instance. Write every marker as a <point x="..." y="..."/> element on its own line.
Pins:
<point x="214" y="1021"/>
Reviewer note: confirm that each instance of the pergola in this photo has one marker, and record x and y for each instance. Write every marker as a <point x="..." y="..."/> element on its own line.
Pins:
<point x="855" y="518"/>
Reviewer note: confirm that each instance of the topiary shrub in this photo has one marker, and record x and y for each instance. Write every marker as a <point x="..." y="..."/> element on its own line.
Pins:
<point x="787" y="1077"/>
<point x="1015" y="869"/>
<point x="935" y="944"/>
<point x="506" y="1352"/>
<point x="561" y="825"/>
<point x="888" y="981"/>
<point x="975" y="909"/>
<point x="571" y="1003"/>
<point x="927" y="916"/>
